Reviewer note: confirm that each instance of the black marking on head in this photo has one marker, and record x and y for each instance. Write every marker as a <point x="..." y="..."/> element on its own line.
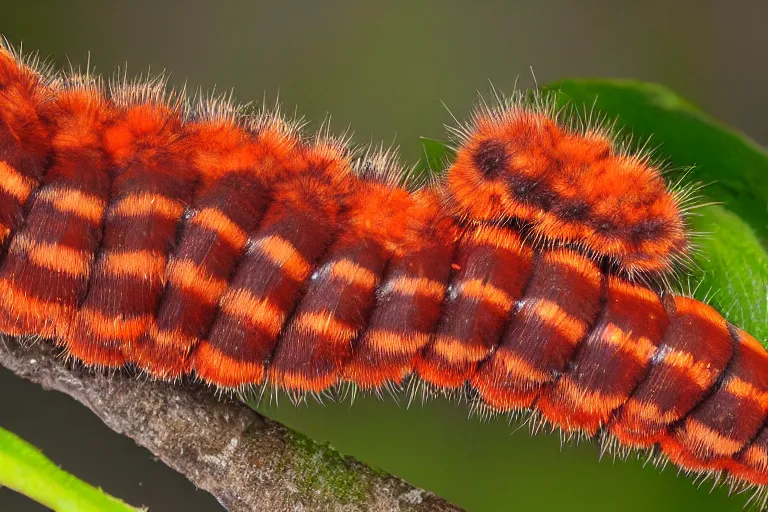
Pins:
<point x="491" y="158"/>
<point x="604" y="226"/>
<point x="649" y="229"/>
<point x="532" y="192"/>
<point x="574" y="211"/>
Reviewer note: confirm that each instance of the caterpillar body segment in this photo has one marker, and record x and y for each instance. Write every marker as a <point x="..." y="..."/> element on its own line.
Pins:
<point x="191" y="241"/>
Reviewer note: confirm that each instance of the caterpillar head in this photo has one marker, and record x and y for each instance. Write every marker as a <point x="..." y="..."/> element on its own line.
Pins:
<point x="566" y="186"/>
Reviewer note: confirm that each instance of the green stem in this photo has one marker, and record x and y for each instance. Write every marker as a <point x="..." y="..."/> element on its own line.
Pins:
<point x="25" y="469"/>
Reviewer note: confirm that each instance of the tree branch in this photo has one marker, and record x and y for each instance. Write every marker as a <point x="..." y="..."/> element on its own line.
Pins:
<point x="246" y="461"/>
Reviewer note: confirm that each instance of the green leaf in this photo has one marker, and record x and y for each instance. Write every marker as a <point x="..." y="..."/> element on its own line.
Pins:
<point x="25" y="469"/>
<point x="437" y="155"/>
<point x="732" y="269"/>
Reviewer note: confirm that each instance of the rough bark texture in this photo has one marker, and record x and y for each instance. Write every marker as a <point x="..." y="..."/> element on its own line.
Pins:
<point x="246" y="461"/>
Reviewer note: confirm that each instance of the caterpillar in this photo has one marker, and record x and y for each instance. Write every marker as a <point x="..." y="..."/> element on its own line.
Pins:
<point x="532" y="275"/>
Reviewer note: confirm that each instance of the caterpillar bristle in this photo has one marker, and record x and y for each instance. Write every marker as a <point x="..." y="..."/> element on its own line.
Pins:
<point x="148" y="89"/>
<point x="380" y="164"/>
<point x="540" y="276"/>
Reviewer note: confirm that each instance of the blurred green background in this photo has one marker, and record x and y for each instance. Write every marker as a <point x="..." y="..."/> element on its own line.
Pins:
<point x="383" y="69"/>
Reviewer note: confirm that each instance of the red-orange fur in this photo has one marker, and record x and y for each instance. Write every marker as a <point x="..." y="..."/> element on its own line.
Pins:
<point x="569" y="186"/>
<point x="25" y="138"/>
<point x="36" y="296"/>
<point x="246" y="254"/>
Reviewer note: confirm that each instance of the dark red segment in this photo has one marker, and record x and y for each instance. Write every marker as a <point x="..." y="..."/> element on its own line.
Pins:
<point x="237" y="170"/>
<point x="211" y="248"/>
<point x="341" y="293"/>
<point x="294" y="233"/>
<point x="25" y="139"/>
<point x="751" y="463"/>
<point x="153" y="183"/>
<point x="492" y="269"/>
<point x="45" y="274"/>
<point x="610" y="362"/>
<point x="559" y="308"/>
<point x="723" y="424"/>
<point x="408" y="304"/>
<point x="693" y="354"/>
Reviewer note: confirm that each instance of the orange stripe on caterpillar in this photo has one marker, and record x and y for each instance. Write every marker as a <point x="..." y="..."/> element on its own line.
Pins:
<point x="18" y="306"/>
<point x="174" y="338"/>
<point x="222" y="225"/>
<point x="53" y="256"/>
<point x="189" y="276"/>
<point x="259" y="312"/>
<point x="143" y="264"/>
<point x="490" y="294"/>
<point x="136" y="205"/>
<point x="640" y="348"/>
<point x="354" y="274"/>
<point x="14" y="183"/>
<point x="211" y="363"/>
<point x="75" y="202"/>
<point x="516" y="366"/>
<point x="324" y="324"/>
<point x="415" y="286"/>
<point x="747" y="391"/>
<point x="389" y="342"/>
<point x="114" y="327"/>
<point x="588" y="401"/>
<point x="697" y="371"/>
<point x="455" y="350"/>
<point x="696" y="433"/>
<point x="285" y="256"/>
<point x="556" y="317"/>
<point x="531" y="273"/>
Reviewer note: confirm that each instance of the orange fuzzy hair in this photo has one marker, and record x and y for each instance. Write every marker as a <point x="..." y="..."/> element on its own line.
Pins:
<point x="236" y="250"/>
<point x="568" y="185"/>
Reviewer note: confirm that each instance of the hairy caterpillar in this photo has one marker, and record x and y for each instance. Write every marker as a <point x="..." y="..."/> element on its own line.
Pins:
<point x="135" y="230"/>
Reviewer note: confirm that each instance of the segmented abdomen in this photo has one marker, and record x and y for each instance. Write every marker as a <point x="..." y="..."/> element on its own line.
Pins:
<point x="250" y="256"/>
